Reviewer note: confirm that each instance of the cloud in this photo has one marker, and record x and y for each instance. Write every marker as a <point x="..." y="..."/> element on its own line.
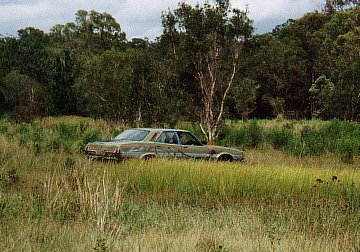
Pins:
<point x="267" y="14"/>
<point x="138" y="18"/>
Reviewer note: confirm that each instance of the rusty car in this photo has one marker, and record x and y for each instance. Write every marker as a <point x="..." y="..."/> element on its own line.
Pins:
<point x="146" y="143"/>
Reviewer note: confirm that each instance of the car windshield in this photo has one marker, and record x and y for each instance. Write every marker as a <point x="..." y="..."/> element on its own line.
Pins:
<point x="132" y="135"/>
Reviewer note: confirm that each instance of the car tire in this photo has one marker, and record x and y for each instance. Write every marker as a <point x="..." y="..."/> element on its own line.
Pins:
<point x="147" y="157"/>
<point x="225" y="158"/>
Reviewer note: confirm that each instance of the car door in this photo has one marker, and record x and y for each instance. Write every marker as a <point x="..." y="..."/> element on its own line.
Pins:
<point x="191" y="147"/>
<point x="167" y="145"/>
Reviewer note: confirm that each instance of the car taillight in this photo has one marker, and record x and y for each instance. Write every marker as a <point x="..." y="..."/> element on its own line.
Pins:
<point x="87" y="149"/>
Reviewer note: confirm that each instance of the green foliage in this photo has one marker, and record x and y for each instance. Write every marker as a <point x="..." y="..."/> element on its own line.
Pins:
<point x="305" y="68"/>
<point x="322" y="92"/>
<point x="348" y="148"/>
<point x="3" y="129"/>
<point x="255" y="134"/>
<point x="234" y="137"/>
<point x="209" y="40"/>
<point x="249" y="136"/>
<point x="314" y="141"/>
<point x="281" y="139"/>
<point x="244" y="95"/>
<point x="23" y="96"/>
<point x="7" y="118"/>
<point x="336" y="137"/>
<point x="120" y="86"/>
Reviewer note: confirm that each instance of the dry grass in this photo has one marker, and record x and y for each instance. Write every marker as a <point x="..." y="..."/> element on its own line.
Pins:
<point x="59" y="201"/>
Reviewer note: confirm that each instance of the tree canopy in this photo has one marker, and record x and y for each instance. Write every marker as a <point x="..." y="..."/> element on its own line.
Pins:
<point x="207" y="65"/>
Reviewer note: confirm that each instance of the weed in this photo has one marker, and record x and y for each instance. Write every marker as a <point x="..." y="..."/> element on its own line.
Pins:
<point x="100" y="245"/>
<point x="9" y="179"/>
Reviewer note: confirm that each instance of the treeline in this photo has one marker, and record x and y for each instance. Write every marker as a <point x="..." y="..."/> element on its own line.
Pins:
<point x="207" y="65"/>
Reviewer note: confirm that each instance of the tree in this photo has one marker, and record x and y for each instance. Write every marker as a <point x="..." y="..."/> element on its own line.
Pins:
<point x="120" y="86"/>
<point x="92" y="33"/>
<point x="210" y="39"/>
<point x="244" y="95"/>
<point x="72" y="44"/>
<point x="60" y="97"/>
<point x="32" y="44"/>
<point x="23" y="96"/>
<point x="322" y="92"/>
<point x="338" y="59"/>
<point x="104" y="88"/>
<point x="333" y="5"/>
<point x="9" y="54"/>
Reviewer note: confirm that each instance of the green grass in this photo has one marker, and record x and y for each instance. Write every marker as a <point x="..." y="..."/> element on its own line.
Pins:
<point x="54" y="199"/>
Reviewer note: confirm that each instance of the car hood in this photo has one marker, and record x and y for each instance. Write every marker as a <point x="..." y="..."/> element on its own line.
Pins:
<point x="218" y="148"/>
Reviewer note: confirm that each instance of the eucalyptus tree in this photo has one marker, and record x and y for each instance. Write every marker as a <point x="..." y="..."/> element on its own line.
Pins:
<point x="333" y="5"/>
<point x="208" y="40"/>
<point x="339" y="61"/>
<point x="9" y="55"/>
<point x="103" y="88"/>
<point x="120" y="86"/>
<point x="24" y="96"/>
<point x="32" y="53"/>
<point x="72" y="45"/>
<point x="91" y="33"/>
<point x="244" y="95"/>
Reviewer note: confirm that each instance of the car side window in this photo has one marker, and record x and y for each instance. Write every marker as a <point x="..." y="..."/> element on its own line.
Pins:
<point x="188" y="139"/>
<point x="167" y="137"/>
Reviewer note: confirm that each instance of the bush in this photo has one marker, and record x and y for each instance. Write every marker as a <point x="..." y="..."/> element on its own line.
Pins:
<point x="7" y="118"/>
<point x="234" y="137"/>
<point x="67" y="131"/>
<point x="255" y="134"/>
<point x="3" y="129"/>
<point x="280" y="139"/>
<point x="88" y="136"/>
<point x="347" y="148"/>
<point x="314" y="141"/>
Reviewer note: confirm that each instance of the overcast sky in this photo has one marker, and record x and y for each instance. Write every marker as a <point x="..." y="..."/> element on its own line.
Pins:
<point x="138" y="18"/>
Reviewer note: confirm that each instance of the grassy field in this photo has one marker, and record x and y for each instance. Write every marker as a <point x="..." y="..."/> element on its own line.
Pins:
<point x="53" y="199"/>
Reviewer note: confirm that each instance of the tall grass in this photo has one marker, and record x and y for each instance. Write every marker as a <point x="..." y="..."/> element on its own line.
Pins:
<point x="297" y="137"/>
<point x="54" y="199"/>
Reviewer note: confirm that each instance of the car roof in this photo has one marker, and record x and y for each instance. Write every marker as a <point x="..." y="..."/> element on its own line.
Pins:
<point x="159" y="129"/>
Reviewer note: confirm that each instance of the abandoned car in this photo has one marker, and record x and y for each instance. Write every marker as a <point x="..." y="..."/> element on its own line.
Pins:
<point x="145" y="143"/>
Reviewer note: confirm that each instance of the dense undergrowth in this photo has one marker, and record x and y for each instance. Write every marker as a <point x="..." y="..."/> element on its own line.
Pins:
<point x="53" y="198"/>
<point x="299" y="138"/>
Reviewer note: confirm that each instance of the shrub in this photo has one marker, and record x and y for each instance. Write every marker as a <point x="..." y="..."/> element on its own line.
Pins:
<point x="347" y="148"/>
<point x="280" y="139"/>
<point x="88" y="136"/>
<point x="4" y="129"/>
<point x="314" y="141"/>
<point x="7" y="118"/>
<point x="255" y="134"/>
<point x="66" y="131"/>
<point x="234" y="137"/>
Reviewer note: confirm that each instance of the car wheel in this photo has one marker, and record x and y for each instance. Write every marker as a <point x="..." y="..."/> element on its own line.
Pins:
<point x="225" y="158"/>
<point x="148" y="157"/>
